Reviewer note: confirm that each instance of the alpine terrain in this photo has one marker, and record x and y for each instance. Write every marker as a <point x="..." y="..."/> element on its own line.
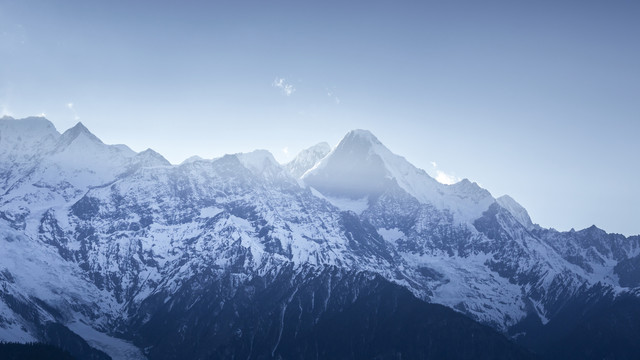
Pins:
<point x="348" y="252"/>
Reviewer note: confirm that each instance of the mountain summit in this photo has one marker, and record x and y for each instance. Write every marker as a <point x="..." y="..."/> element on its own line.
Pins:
<point x="354" y="169"/>
<point x="104" y="247"/>
<point x="361" y="167"/>
<point x="76" y="131"/>
<point x="307" y="159"/>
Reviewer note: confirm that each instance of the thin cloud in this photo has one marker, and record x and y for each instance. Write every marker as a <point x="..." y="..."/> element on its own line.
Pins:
<point x="332" y="95"/>
<point x="285" y="151"/>
<point x="282" y="84"/>
<point x="71" y="107"/>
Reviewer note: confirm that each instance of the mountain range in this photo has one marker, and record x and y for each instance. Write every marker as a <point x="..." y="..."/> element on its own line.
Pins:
<point x="346" y="252"/>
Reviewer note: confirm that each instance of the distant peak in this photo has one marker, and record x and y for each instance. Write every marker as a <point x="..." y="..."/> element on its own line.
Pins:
<point x="76" y="131"/>
<point x="32" y="126"/>
<point x="361" y="135"/>
<point x="320" y="149"/>
<point x="506" y="198"/>
<point x="323" y="146"/>
<point x="150" y="151"/>
<point x="594" y="228"/>
<point x="517" y="210"/>
<point x="79" y="127"/>
<point x="152" y="157"/>
<point x="258" y="161"/>
<point x="192" y="159"/>
<point x="359" y="141"/>
<point x="31" y="120"/>
<point x="307" y="159"/>
<point x="359" y="166"/>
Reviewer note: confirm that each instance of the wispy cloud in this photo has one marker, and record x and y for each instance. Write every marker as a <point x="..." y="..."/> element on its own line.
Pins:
<point x="332" y="95"/>
<point x="73" y="109"/>
<point x="282" y="84"/>
<point x="285" y="151"/>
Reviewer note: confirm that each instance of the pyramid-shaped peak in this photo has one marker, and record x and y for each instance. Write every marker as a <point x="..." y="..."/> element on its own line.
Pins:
<point x="151" y="157"/>
<point x="359" y="166"/>
<point x="360" y="136"/>
<point x="150" y="152"/>
<point x="77" y="130"/>
<point x="79" y="127"/>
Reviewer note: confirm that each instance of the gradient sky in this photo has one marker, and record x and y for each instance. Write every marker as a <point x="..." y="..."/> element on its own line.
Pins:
<point x="539" y="100"/>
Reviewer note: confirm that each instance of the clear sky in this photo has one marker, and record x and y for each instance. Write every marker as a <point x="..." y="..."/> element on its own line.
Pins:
<point x="539" y="100"/>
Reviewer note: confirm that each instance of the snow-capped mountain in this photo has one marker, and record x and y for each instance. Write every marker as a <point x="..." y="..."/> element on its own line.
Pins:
<point x="361" y="167"/>
<point x="307" y="159"/>
<point x="131" y="253"/>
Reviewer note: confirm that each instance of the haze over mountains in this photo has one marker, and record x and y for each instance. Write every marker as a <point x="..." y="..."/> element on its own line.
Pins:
<point x="240" y="256"/>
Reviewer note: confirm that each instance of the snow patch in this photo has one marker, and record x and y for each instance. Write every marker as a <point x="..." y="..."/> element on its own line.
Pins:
<point x="391" y="235"/>
<point x="114" y="347"/>
<point x="209" y="212"/>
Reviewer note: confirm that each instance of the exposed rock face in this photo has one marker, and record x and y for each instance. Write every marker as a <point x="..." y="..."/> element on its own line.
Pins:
<point x="239" y="253"/>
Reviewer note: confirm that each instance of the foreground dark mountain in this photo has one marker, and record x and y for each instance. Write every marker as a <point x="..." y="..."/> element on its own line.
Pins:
<point x="330" y="315"/>
<point x="17" y="351"/>
<point x="236" y="256"/>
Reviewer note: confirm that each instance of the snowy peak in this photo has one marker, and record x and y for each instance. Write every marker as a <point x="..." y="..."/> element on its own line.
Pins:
<point x="517" y="210"/>
<point x="76" y="132"/>
<point x="362" y="167"/>
<point x="26" y="137"/>
<point x="360" y="143"/>
<point x="34" y="124"/>
<point x="79" y="142"/>
<point x="192" y="159"/>
<point x="150" y="157"/>
<point x="307" y="159"/>
<point x="360" y="136"/>
<point x="260" y="162"/>
<point x="354" y="169"/>
<point x="469" y="190"/>
<point x="78" y="161"/>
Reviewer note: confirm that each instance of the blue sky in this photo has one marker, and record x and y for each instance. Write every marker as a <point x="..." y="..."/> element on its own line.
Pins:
<point x="538" y="100"/>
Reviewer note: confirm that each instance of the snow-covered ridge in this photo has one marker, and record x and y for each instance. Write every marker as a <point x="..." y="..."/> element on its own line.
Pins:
<point x="122" y="227"/>
<point x="519" y="212"/>
<point x="307" y="159"/>
<point x="258" y="161"/>
<point x="360" y="166"/>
